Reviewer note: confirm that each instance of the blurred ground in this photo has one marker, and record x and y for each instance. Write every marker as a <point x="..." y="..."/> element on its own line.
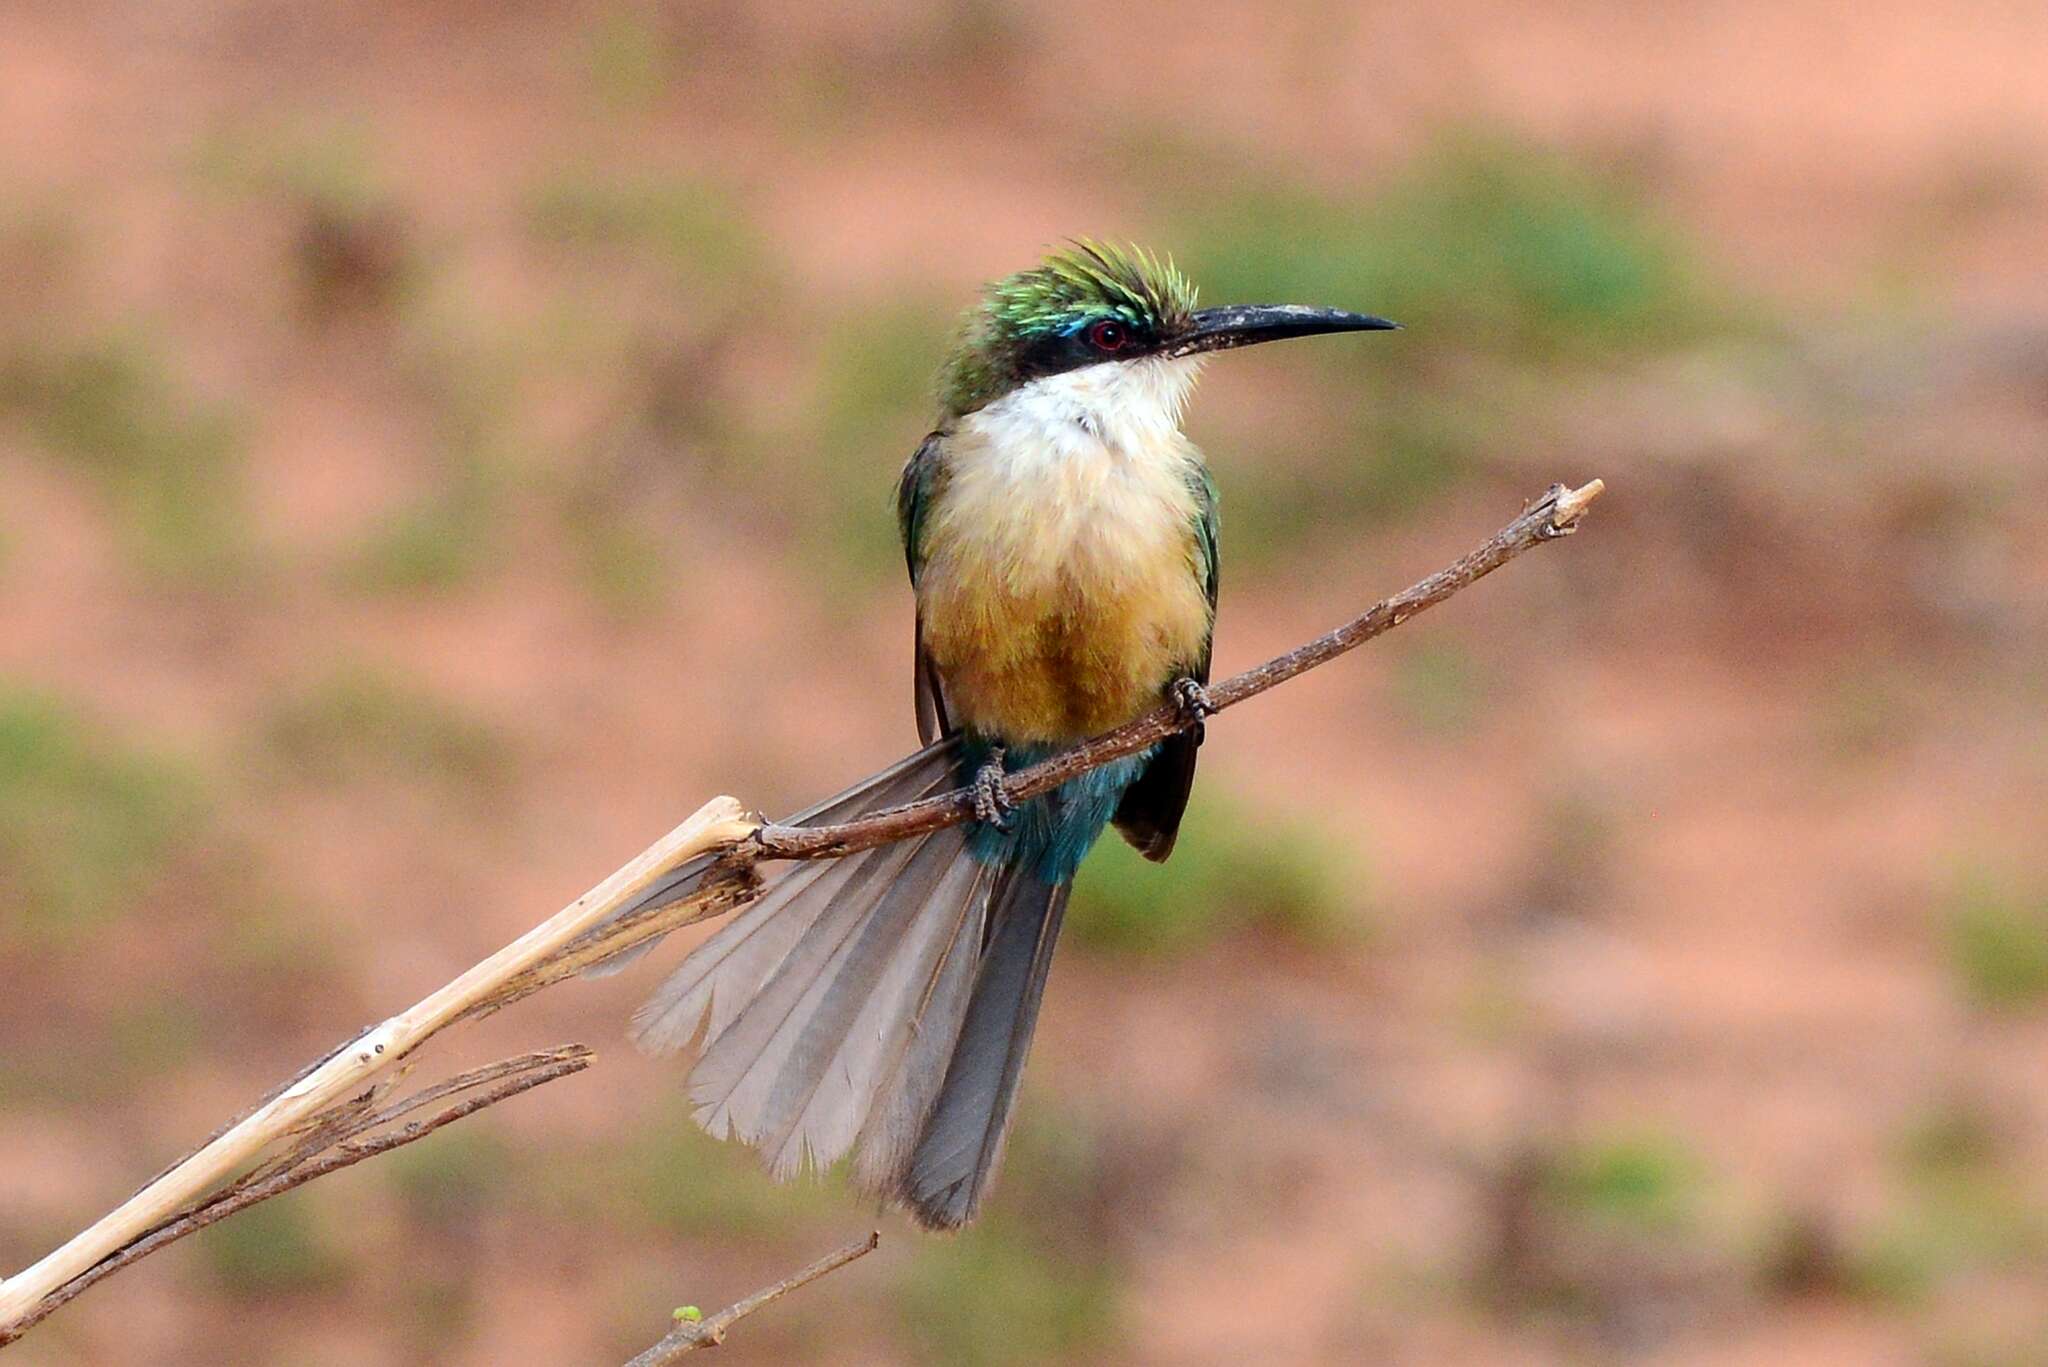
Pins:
<point x="441" y="445"/>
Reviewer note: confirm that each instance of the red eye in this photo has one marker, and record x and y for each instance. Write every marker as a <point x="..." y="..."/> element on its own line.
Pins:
<point x="1108" y="336"/>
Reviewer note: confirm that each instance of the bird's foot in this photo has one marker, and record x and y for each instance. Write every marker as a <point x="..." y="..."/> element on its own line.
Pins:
<point x="1193" y="700"/>
<point x="991" y="807"/>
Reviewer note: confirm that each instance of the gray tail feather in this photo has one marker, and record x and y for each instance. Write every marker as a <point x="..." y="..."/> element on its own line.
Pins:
<point x="904" y="781"/>
<point x="879" y="1004"/>
<point x="962" y="1143"/>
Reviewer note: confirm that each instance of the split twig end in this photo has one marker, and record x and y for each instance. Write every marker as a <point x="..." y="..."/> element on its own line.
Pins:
<point x="1571" y="504"/>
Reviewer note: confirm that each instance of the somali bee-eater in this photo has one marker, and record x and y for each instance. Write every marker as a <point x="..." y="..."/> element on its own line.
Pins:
<point x="1061" y="535"/>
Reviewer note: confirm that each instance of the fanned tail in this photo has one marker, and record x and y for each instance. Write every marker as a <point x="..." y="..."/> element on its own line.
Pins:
<point x="879" y="1004"/>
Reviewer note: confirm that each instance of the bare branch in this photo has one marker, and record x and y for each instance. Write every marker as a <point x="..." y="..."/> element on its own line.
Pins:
<point x="347" y="1071"/>
<point x="1554" y="515"/>
<point x="337" y="1147"/>
<point x="690" y="1335"/>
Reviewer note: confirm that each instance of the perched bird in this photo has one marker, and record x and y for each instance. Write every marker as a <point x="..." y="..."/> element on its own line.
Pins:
<point x="1061" y="537"/>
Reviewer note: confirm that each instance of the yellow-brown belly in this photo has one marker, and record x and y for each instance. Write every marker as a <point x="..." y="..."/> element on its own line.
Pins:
<point x="1035" y="671"/>
<point x="1057" y="612"/>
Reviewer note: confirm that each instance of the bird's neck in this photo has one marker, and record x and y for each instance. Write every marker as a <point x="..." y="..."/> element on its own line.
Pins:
<point x="1128" y="409"/>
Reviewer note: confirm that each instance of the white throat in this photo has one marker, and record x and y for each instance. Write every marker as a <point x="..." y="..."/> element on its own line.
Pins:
<point x="1130" y="407"/>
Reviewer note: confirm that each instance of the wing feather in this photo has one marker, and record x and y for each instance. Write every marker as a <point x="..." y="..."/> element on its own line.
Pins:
<point x="1149" y="814"/>
<point x="913" y="497"/>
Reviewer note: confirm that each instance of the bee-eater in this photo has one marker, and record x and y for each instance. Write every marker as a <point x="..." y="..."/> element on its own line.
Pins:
<point x="1061" y="537"/>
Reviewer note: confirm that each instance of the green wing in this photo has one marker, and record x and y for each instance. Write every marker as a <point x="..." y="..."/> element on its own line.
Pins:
<point x="913" y="497"/>
<point x="1150" y="812"/>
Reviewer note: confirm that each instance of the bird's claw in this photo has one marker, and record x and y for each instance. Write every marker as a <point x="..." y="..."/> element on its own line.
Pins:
<point x="991" y="806"/>
<point x="1192" y="698"/>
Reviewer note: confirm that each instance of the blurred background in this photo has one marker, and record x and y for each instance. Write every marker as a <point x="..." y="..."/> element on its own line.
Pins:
<point x="441" y="445"/>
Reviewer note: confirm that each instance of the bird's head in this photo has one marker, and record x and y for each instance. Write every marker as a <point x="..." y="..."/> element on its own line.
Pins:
<point x="1092" y="305"/>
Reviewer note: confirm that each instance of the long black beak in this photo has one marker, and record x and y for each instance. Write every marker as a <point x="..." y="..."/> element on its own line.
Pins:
<point x="1239" y="325"/>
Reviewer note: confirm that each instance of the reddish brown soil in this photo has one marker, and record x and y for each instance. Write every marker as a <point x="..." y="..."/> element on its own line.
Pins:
<point x="1748" y="955"/>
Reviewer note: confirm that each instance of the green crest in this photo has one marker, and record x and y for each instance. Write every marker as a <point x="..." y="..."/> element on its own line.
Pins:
<point x="1071" y="289"/>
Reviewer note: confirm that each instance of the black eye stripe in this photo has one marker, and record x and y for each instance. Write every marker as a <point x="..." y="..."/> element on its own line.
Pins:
<point x="1054" y="352"/>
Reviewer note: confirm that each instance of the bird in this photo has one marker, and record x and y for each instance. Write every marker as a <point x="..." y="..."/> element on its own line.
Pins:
<point x="1061" y="537"/>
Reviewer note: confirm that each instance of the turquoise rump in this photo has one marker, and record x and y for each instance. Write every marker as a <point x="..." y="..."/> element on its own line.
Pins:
<point x="1052" y="833"/>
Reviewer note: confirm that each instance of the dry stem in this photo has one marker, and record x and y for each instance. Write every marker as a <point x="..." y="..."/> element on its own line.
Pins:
<point x="311" y="1098"/>
<point x="329" y="1147"/>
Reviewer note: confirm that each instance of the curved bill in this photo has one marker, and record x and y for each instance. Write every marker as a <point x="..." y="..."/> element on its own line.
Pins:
<point x="1236" y="325"/>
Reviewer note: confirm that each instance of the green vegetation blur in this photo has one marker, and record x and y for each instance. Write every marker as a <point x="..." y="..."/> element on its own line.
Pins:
<point x="425" y="479"/>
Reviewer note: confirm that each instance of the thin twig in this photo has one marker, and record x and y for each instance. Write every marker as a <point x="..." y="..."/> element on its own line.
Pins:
<point x="1554" y="515"/>
<point x="690" y="1335"/>
<point x="512" y="1077"/>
